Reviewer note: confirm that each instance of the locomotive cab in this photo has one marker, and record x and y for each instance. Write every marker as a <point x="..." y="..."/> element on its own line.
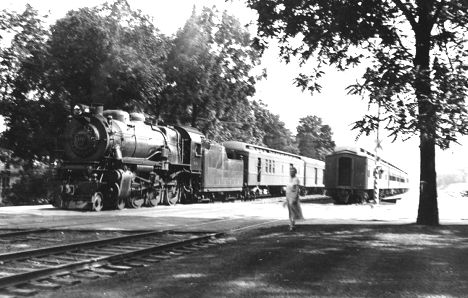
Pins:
<point x="191" y="142"/>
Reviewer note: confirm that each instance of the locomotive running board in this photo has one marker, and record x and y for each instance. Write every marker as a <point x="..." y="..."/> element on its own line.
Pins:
<point x="140" y="161"/>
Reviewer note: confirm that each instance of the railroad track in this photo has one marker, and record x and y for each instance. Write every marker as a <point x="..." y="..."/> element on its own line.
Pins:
<point x="25" y="273"/>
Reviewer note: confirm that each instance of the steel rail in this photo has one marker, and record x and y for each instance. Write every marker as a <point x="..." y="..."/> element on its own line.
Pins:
<point x="22" y="232"/>
<point x="79" y="245"/>
<point x="97" y="261"/>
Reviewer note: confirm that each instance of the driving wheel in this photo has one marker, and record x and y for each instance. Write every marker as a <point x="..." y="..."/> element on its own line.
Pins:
<point x="153" y="197"/>
<point x="173" y="193"/>
<point x="96" y="202"/>
<point x="116" y="201"/>
<point x="135" y="201"/>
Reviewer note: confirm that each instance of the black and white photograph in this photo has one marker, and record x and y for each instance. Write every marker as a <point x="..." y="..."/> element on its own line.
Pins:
<point x="233" y="148"/>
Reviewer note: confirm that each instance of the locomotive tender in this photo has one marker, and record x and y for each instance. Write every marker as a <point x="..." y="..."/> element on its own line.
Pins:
<point x="114" y="159"/>
<point x="352" y="174"/>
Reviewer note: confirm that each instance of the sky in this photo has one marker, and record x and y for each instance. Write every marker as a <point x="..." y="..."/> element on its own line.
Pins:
<point x="333" y="105"/>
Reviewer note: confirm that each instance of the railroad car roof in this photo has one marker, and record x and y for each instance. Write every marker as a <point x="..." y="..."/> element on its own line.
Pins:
<point x="241" y="146"/>
<point x="312" y="160"/>
<point x="362" y="152"/>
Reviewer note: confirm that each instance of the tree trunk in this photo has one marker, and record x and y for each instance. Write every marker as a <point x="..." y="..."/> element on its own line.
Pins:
<point x="428" y="213"/>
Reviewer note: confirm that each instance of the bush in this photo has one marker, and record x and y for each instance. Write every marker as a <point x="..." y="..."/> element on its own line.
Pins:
<point x="34" y="187"/>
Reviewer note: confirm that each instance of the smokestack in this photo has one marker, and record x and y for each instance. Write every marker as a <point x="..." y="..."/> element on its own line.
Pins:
<point x="97" y="108"/>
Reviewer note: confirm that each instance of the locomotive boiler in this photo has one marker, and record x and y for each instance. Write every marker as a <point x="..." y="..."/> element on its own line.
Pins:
<point x="115" y="159"/>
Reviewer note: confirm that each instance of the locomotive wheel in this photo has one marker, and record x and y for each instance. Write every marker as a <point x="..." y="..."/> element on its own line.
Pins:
<point x="172" y="194"/>
<point x="135" y="202"/>
<point x="153" y="197"/>
<point x="96" y="202"/>
<point x="117" y="202"/>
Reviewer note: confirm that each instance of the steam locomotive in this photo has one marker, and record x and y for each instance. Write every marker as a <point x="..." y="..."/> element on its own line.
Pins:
<point x="114" y="159"/>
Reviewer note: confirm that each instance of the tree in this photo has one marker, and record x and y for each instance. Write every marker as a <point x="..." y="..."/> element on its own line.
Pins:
<point x="29" y="115"/>
<point x="210" y="75"/>
<point x="108" y="54"/>
<point x="274" y="134"/>
<point x="419" y="76"/>
<point x="22" y="37"/>
<point x="313" y="138"/>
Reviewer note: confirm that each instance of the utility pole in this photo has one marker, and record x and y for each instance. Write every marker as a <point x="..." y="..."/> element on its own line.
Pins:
<point x="377" y="168"/>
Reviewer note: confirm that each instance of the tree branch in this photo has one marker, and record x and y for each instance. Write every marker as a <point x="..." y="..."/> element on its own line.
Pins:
<point x="437" y="12"/>
<point x="409" y="16"/>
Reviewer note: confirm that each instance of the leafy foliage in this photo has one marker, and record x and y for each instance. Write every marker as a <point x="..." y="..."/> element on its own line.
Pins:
<point x="30" y="116"/>
<point x="35" y="185"/>
<point x="209" y="71"/>
<point x="274" y="133"/>
<point x="345" y="33"/>
<point x="314" y="138"/>
<point x="110" y="54"/>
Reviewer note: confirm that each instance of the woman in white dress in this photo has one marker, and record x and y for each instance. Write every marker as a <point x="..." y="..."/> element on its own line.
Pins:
<point x="292" y="199"/>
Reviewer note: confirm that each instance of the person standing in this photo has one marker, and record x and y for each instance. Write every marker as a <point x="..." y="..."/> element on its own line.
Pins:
<point x="292" y="199"/>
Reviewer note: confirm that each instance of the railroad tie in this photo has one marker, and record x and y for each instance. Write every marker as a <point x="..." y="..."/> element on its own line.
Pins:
<point x="68" y="280"/>
<point x="44" y="284"/>
<point x="21" y="291"/>
<point x="117" y="267"/>
<point x="5" y="295"/>
<point x="158" y="257"/>
<point x="101" y="270"/>
<point x="190" y="249"/>
<point x="174" y="253"/>
<point x="86" y="274"/>
<point x="135" y="263"/>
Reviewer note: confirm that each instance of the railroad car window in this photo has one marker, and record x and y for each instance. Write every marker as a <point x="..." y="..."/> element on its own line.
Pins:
<point x="274" y="166"/>
<point x="198" y="150"/>
<point x="231" y="154"/>
<point x="316" y="178"/>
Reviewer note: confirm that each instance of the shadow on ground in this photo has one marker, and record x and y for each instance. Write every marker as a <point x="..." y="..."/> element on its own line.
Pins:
<point x="315" y="261"/>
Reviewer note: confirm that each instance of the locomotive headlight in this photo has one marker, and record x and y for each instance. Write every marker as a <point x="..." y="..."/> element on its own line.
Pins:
<point x="77" y="110"/>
